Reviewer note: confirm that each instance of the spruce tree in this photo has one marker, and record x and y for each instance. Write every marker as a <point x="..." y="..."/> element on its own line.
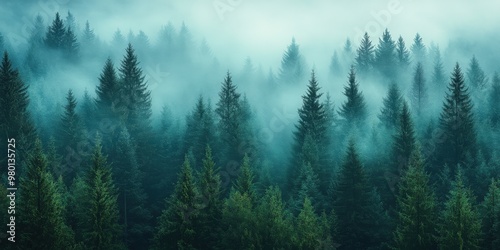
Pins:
<point x="416" y="208"/>
<point x="385" y="56"/>
<point x="107" y="91"/>
<point x="365" y="57"/>
<point x="134" y="213"/>
<point x="40" y="209"/>
<point x="70" y="46"/>
<point x="177" y="223"/>
<point x="292" y="65"/>
<point x="404" y="142"/>
<point x="490" y="213"/>
<point x="245" y="182"/>
<point x="402" y="54"/>
<point x="306" y="186"/>
<point x="101" y="226"/>
<point x="419" y="90"/>
<point x="228" y="110"/>
<point x="460" y="223"/>
<point x="135" y="98"/>
<point x="494" y="105"/>
<point x="389" y="114"/>
<point x="438" y="77"/>
<point x="418" y="50"/>
<point x="358" y="208"/>
<point x="476" y="78"/>
<point x="313" y="122"/>
<point x="353" y="110"/>
<point x="335" y="66"/>
<point x="274" y="221"/>
<point x="456" y="122"/>
<point x="307" y="225"/>
<point x="15" y="119"/>
<point x="55" y="37"/>
<point x="211" y="208"/>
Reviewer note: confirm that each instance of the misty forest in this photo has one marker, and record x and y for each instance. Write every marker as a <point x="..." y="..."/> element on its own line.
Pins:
<point x="140" y="143"/>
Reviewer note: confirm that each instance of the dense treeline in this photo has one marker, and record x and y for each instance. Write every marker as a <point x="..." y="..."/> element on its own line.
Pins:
<point x="104" y="171"/>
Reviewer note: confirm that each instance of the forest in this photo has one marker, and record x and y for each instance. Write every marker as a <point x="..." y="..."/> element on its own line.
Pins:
<point x="139" y="144"/>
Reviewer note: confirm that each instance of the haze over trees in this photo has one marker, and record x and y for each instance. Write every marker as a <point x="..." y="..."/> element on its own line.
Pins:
<point x="137" y="143"/>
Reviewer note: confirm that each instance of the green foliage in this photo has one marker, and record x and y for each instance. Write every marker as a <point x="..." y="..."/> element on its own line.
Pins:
<point x="307" y="225"/>
<point x="385" y="56"/>
<point x="402" y="54"/>
<point x="245" y="182"/>
<point x="365" y="55"/>
<point x="292" y="65"/>
<point x="41" y="219"/>
<point x="353" y="110"/>
<point x="419" y="90"/>
<point x="416" y="214"/>
<point x="404" y="141"/>
<point x="490" y="214"/>
<point x="177" y="223"/>
<point x="494" y="105"/>
<point x="418" y="50"/>
<point x="101" y="228"/>
<point x="460" y="223"/>
<point x="457" y="124"/>
<point x="389" y="114"/>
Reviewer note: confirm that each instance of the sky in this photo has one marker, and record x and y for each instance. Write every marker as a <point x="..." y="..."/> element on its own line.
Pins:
<point x="262" y="29"/>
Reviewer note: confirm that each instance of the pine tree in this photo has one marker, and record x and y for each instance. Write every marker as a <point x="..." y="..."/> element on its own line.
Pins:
<point x="490" y="211"/>
<point x="457" y="124"/>
<point x="274" y="221"/>
<point x="70" y="136"/>
<point x="418" y="50"/>
<point x="176" y="225"/>
<point x="101" y="228"/>
<point x="402" y="54"/>
<point x="40" y="207"/>
<point x="313" y="122"/>
<point x="460" y="223"/>
<point x="358" y="207"/>
<point x="56" y="35"/>
<point x="404" y="142"/>
<point x="419" y="90"/>
<point x="240" y="228"/>
<point x="385" y="56"/>
<point x="88" y="112"/>
<point x="245" y="182"/>
<point x="353" y="110"/>
<point x="389" y="114"/>
<point x="70" y="45"/>
<point x="211" y="210"/>
<point x="365" y="57"/>
<point x="307" y="225"/>
<point x="494" y="105"/>
<point x="200" y="131"/>
<point x="417" y="214"/>
<point x="476" y="78"/>
<point x="228" y="110"/>
<point x="135" y="98"/>
<point x="306" y="186"/>
<point x="107" y="91"/>
<point x="134" y="214"/>
<point x="15" y="119"/>
<point x="438" y="77"/>
<point x="292" y="65"/>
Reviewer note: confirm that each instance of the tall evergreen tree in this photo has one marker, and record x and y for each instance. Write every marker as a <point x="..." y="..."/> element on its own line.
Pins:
<point x="402" y="54"/>
<point x="307" y="225"/>
<point x="404" y="142"/>
<point x="176" y="225"/>
<point x="460" y="223"/>
<point x="456" y="122"/>
<point x="71" y="45"/>
<point x="101" y="227"/>
<point x="15" y="119"/>
<point x="419" y="90"/>
<point x="292" y="65"/>
<point x="40" y="207"/>
<point x="55" y="37"/>
<point x="385" y="56"/>
<point x="335" y="66"/>
<point x="476" y="78"/>
<point x="418" y="50"/>
<point x="353" y="110"/>
<point x="211" y="209"/>
<point x="365" y="57"/>
<point x="389" y="114"/>
<point x="490" y="211"/>
<point x="438" y="77"/>
<point x="274" y="221"/>
<point x="107" y="91"/>
<point x="417" y="214"/>
<point x="313" y="122"/>
<point x="134" y="214"/>
<point x="357" y="207"/>
<point x="494" y="105"/>
<point x="245" y="182"/>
